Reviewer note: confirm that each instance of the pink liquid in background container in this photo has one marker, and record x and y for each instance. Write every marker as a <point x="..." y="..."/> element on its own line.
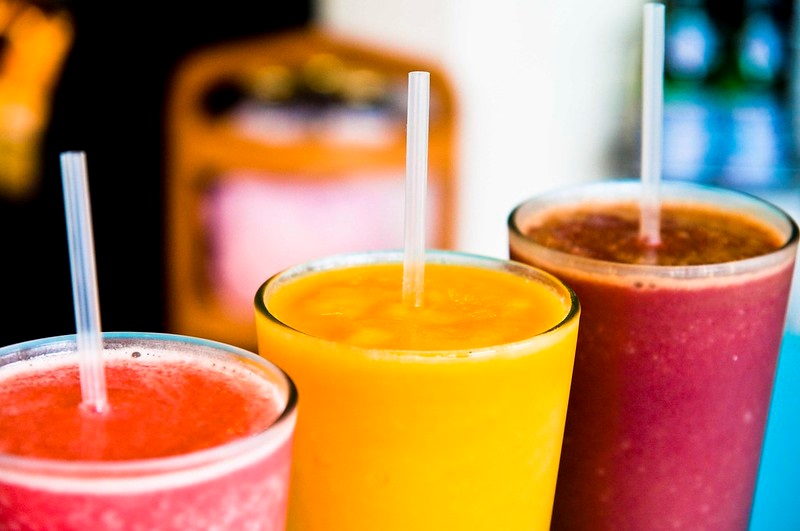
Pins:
<point x="677" y="350"/>
<point x="198" y="436"/>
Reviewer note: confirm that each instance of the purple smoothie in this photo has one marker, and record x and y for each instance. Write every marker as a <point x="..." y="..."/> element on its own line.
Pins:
<point x="675" y="363"/>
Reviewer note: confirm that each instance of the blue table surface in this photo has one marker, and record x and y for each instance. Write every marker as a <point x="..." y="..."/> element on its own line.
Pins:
<point x="777" y="501"/>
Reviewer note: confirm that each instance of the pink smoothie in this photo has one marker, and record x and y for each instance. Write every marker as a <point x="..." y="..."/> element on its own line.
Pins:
<point x="675" y="359"/>
<point x="192" y="440"/>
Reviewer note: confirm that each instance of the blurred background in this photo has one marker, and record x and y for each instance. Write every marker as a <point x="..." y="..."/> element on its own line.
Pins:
<point x="227" y="140"/>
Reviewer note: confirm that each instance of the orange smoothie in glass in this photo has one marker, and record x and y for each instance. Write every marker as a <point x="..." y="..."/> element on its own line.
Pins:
<point x="449" y="415"/>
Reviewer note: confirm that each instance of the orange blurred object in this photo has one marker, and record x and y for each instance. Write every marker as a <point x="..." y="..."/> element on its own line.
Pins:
<point x="34" y="47"/>
<point x="286" y="148"/>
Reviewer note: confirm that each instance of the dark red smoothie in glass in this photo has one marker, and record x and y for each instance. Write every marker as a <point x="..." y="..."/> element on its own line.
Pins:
<point x="677" y="350"/>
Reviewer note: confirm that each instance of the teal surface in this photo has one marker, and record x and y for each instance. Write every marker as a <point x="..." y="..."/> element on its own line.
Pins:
<point x="777" y="501"/>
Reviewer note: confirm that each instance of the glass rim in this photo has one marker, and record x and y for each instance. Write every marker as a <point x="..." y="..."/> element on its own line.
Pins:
<point x="701" y="194"/>
<point x="432" y="256"/>
<point x="90" y="471"/>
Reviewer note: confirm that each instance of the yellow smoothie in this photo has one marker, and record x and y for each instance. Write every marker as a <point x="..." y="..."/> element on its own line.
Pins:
<point x="445" y="416"/>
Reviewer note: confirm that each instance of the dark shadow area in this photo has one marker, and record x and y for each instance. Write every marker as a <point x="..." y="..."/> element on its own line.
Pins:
<point x="110" y="103"/>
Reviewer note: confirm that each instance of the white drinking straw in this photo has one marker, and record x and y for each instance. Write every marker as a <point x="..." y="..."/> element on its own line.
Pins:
<point x="84" y="280"/>
<point x="416" y="184"/>
<point x="652" y="118"/>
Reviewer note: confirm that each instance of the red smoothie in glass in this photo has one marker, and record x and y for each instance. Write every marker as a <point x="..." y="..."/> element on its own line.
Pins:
<point x="196" y="436"/>
<point x="677" y="350"/>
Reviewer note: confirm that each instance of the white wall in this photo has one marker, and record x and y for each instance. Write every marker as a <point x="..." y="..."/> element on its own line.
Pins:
<point x="542" y="85"/>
